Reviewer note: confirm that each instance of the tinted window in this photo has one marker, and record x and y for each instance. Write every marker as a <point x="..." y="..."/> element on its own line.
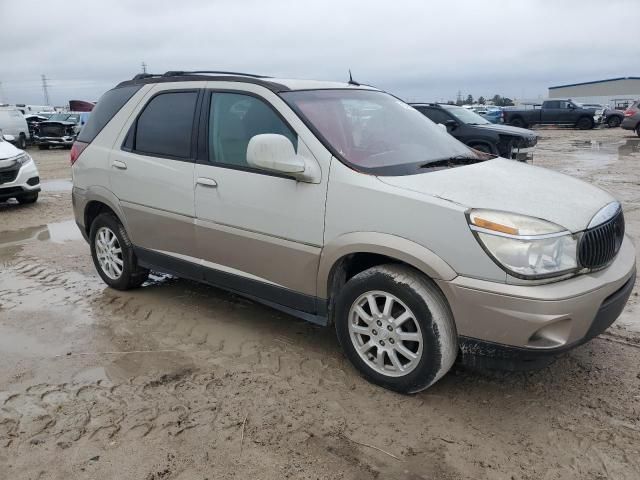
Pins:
<point x="108" y="105"/>
<point x="435" y="115"/>
<point x="164" y="126"/>
<point x="234" y="119"/>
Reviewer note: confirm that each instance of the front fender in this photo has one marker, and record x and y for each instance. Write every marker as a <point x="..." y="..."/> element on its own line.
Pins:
<point x="392" y="246"/>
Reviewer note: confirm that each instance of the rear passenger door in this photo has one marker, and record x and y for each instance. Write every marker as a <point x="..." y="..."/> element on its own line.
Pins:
<point x="258" y="232"/>
<point x="152" y="171"/>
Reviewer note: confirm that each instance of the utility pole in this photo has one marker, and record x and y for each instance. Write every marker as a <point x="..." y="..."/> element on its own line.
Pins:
<point x="144" y="67"/>
<point x="2" y="99"/>
<point x="45" y="89"/>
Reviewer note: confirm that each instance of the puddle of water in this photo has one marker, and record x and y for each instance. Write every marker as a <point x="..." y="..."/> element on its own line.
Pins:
<point x="16" y="342"/>
<point x="61" y="185"/>
<point x="58" y="232"/>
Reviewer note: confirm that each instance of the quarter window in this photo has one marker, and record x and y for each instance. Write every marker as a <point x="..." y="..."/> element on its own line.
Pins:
<point x="236" y="118"/>
<point x="164" y="126"/>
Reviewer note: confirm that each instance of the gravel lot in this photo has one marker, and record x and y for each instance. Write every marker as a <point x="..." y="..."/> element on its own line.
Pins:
<point x="182" y="381"/>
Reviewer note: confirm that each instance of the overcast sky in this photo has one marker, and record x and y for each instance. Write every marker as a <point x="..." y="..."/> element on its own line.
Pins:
<point x="419" y="50"/>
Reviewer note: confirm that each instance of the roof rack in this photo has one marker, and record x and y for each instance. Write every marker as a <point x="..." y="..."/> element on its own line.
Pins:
<point x="179" y="73"/>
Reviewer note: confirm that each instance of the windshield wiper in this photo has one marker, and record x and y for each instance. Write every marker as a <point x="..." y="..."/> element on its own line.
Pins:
<point x="457" y="160"/>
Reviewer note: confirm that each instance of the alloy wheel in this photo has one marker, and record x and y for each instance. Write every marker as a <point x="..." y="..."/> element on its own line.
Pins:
<point x="385" y="333"/>
<point x="109" y="253"/>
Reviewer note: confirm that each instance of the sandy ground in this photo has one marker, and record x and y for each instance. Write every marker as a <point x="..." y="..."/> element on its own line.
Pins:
<point x="182" y="381"/>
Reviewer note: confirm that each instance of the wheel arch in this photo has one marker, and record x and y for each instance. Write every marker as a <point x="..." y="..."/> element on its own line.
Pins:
<point x="353" y="253"/>
<point x="99" y="200"/>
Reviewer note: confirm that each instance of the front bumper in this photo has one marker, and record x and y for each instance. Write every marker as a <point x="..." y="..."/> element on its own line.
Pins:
<point x="522" y="154"/>
<point x="26" y="181"/>
<point x="53" y="141"/>
<point x="629" y="123"/>
<point x="500" y="320"/>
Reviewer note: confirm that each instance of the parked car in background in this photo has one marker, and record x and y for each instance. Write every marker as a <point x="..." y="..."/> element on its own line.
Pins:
<point x="13" y="123"/>
<point x="479" y="133"/>
<point x="610" y="116"/>
<point x="55" y="133"/>
<point x="77" y="118"/>
<point x="554" y="112"/>
<point x="19" y="176"/>
<point x="631" y="119"/>
<point x="413" y="246"/>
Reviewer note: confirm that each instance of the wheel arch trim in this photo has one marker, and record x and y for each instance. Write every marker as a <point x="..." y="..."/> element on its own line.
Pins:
<point x="392" y="246"/>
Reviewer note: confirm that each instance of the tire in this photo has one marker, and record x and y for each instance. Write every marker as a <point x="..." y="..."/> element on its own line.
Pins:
<point x="22" y="141"/>
<point x="585" y="123"/>
<point x="131" y="275"/>
<point x="638" y="130"/>
<point x="43" y="147"/>
<point x="518" y="122"/>
<point x="613" y="121"/>
<point x="429" y="319"/>
<point x="27" y="198"/>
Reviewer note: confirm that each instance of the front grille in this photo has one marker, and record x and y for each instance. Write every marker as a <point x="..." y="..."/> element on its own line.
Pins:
<point x="599" y="245"/>
<point x="8" y="175"/>
<point x="52" y="130"/>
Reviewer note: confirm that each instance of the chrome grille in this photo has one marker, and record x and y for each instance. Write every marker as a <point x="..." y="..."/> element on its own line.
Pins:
<point x="599" y="245"/>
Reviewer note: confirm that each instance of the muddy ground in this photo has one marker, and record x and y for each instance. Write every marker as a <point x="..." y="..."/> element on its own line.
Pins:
<point x="182" y="381"/>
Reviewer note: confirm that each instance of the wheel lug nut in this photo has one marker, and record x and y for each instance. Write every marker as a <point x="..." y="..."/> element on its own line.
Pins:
<point x="379" y="323"/>
<point x="391" y="340"/>
<point x="390" y="328"/>
<point x="382" y="342"/>
<point x="375" y="332"/>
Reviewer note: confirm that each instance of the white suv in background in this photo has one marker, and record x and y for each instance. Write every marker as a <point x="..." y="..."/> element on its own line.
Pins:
<point x="344" y="206"/>
<point x="19" y="176"/>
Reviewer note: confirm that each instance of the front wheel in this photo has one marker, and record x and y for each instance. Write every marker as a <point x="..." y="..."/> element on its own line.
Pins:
<point x="638" y="130"/>
<point x="518" y="122"/>
<point x="27" y="198"/>
<point x="113" y="254"/>
<point x="396" y="327"/>
<point x="22" y="141"/>
<point x="613" y="122"/>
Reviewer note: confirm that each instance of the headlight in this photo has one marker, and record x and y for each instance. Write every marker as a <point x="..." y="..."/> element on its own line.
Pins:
<point x="23" y="159"/>
<point x="525" y="247"/>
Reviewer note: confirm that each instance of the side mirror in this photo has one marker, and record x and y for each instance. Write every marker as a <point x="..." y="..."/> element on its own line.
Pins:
<point x="273" y="152"/>
<point x="9" y="138"/>
<point x="451" y="124"/>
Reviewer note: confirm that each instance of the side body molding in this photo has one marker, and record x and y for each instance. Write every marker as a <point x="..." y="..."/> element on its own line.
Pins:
<point x="382" y="244"/>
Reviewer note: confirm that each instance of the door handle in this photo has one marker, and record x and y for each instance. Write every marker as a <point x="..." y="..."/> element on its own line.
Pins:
<point x="120" y="165"/>
<point x="207" y="182"/>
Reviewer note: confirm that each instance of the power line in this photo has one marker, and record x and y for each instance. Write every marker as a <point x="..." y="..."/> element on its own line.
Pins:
<point x="45" y="89"/>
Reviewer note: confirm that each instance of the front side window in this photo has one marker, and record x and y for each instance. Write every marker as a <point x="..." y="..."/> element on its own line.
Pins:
<point x="165" y="125"/>
<point x="236" y="118"/>
<point x="553" y="104"/>
<point x="435" y="115"/>
<point x="464" y="115"/>
<point x="374" y="131"/>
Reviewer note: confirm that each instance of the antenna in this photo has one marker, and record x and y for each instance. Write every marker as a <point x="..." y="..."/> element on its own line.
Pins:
<point x="45" y="89"/>
<point x="352" y="81"/>
<point x="144" y="67"/>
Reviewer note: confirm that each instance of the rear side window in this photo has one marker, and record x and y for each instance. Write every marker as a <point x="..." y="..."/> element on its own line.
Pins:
<point x="164" y="127"/>
<point x="108" y="105"/>
<point x="552" y="104"/>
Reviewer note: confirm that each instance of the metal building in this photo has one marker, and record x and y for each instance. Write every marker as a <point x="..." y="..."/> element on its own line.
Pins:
<point x="616" y="92"/>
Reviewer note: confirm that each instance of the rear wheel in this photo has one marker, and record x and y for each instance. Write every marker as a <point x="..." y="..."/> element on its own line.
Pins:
<point x="613" y="121"/>
<point x="585" y="123"/>
<point x="22" y="141"/>
<point x="28" y="198"/>
<point x="113" y="254"/>
<point x="396" y="327"/>
<point x="518" y="122"/>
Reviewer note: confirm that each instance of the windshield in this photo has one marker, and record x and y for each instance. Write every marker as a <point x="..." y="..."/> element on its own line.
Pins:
<point x="466" y="116"/>
<point x="374" y="131"/>
<point x="58" y="117"/>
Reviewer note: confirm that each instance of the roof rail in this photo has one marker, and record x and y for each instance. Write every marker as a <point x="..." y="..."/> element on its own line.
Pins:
<point x="176" y="73"/>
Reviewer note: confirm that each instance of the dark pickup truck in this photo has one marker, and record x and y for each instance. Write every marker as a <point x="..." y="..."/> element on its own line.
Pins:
<point x="554" y="112"/>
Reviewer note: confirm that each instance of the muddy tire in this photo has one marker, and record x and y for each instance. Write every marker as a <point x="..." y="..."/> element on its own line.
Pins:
<point x="613" y="121"/>
<point x="585" y="123"/>
<point x="395" y="326"/>
<point x="518" y="122"/>
<point x="27" y="198"/>
<point x="113" y="254"/>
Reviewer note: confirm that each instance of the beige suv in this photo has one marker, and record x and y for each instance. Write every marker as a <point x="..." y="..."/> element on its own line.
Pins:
<point x="342" y="205"/>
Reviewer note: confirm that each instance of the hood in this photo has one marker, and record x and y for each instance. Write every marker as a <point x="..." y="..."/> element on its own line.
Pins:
<point x="512" y="186"/>
<point x="7" y="150"/>
<point x="508" y="130"/>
